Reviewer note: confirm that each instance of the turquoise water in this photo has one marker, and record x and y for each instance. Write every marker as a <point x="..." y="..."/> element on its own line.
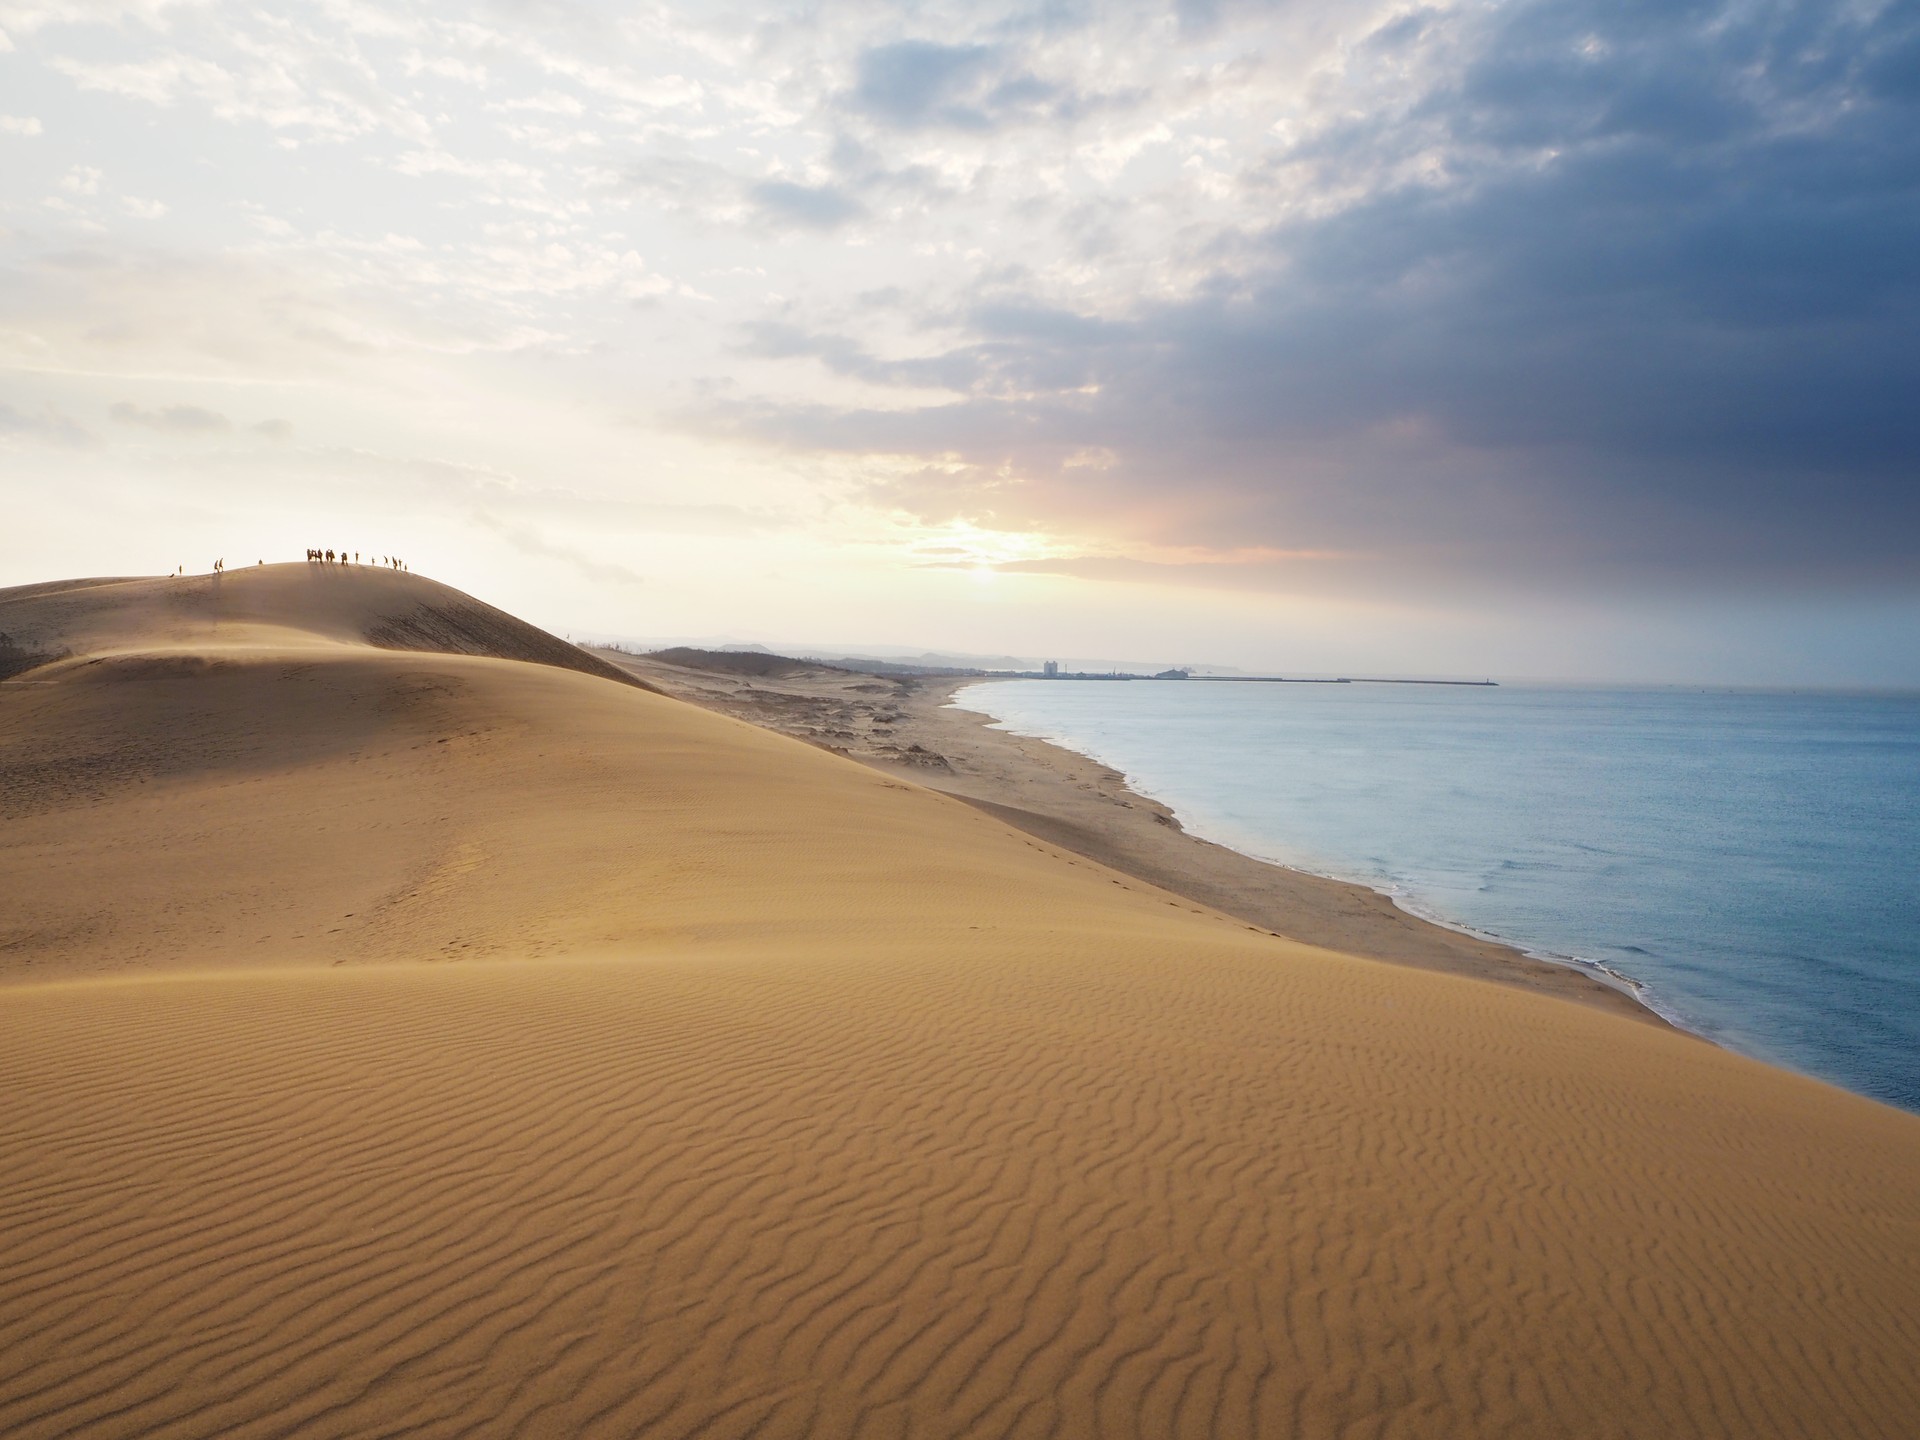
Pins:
<point x="1748" y="858"/>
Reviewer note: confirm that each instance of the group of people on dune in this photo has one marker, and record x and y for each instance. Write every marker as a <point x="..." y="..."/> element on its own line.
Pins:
<point x="329" y="557"/>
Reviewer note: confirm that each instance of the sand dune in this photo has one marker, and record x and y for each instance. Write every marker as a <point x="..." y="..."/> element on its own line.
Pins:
<point x="279" y="606"/>
<point x="403" y="1043"/>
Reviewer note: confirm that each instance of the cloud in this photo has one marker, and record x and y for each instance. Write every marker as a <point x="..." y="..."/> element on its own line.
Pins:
<point x="298" y="81"/>
<point x="1276" y="575"/>
<point x="173" y="419"/>
<point x="279" y="431"/>
<point x="1561" y="293"/>
<point x="958" y="370"/>
<point x="22" y="125"/>
<point x="446" y="67"/>
<point x="813" y="207"/>
<point x="529" y="541"/>
<point x="48" y="426"/>
<point x="927" y="84"/>
<point x="921" y="82"/>
<point x="141" y="312"/>
<point x="1590" y="295"/>
<point x="691" y="519"/>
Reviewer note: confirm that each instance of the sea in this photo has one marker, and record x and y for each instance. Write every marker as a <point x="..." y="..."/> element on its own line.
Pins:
<point x="1750" y="860"/>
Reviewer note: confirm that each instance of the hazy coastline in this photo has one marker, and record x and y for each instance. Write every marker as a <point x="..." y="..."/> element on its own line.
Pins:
<point x="912" y="725"/>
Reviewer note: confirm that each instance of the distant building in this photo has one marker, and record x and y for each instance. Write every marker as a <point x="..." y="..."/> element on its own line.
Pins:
<point x="1051" y="669"/>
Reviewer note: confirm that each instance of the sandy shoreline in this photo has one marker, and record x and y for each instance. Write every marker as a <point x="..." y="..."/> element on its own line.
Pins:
<point x="919" y="726"/>
<point x="1493" y="966"/>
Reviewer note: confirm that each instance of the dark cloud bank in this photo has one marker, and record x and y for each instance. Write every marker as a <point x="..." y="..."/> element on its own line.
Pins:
<point x="1657" y="320"/>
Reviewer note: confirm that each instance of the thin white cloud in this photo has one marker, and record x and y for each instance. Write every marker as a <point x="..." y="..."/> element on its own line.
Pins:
<point x="294" y="82"/>
<point x="446" y="67"/>
<point x="172" y="419"/>
<point x="549" y="102"/>
<point x="31" y="16"/>
<point x="161" y="80"/>
<point x="48" y="425"/>
<point x="529" y="541"/>
<point x="21" y="125"/>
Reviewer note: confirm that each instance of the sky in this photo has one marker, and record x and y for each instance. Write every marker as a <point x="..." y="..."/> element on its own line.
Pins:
<point x="1570" y="340"/>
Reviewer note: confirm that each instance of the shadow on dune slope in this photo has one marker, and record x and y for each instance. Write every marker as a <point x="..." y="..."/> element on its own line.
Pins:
<point x="456" y="624"/>
<point x="344" y="603"/>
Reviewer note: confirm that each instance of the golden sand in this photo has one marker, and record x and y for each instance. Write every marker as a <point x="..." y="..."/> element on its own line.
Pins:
<point x="403" y="1043"/>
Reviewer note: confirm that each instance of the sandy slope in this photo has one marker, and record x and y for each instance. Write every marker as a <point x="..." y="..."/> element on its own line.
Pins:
<point x="920" y="727"/>
<point x="772" y="1095"/>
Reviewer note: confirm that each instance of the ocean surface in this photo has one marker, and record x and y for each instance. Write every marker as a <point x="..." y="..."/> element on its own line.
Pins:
<point x="1751" y="859"/>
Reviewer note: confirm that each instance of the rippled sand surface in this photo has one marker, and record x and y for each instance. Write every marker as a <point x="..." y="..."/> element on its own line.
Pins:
<point x="401" y="1043"/>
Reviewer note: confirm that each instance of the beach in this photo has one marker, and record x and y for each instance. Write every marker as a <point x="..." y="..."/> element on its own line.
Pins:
<point x="411" y="1025"/>
<point x="921" y="727"/>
